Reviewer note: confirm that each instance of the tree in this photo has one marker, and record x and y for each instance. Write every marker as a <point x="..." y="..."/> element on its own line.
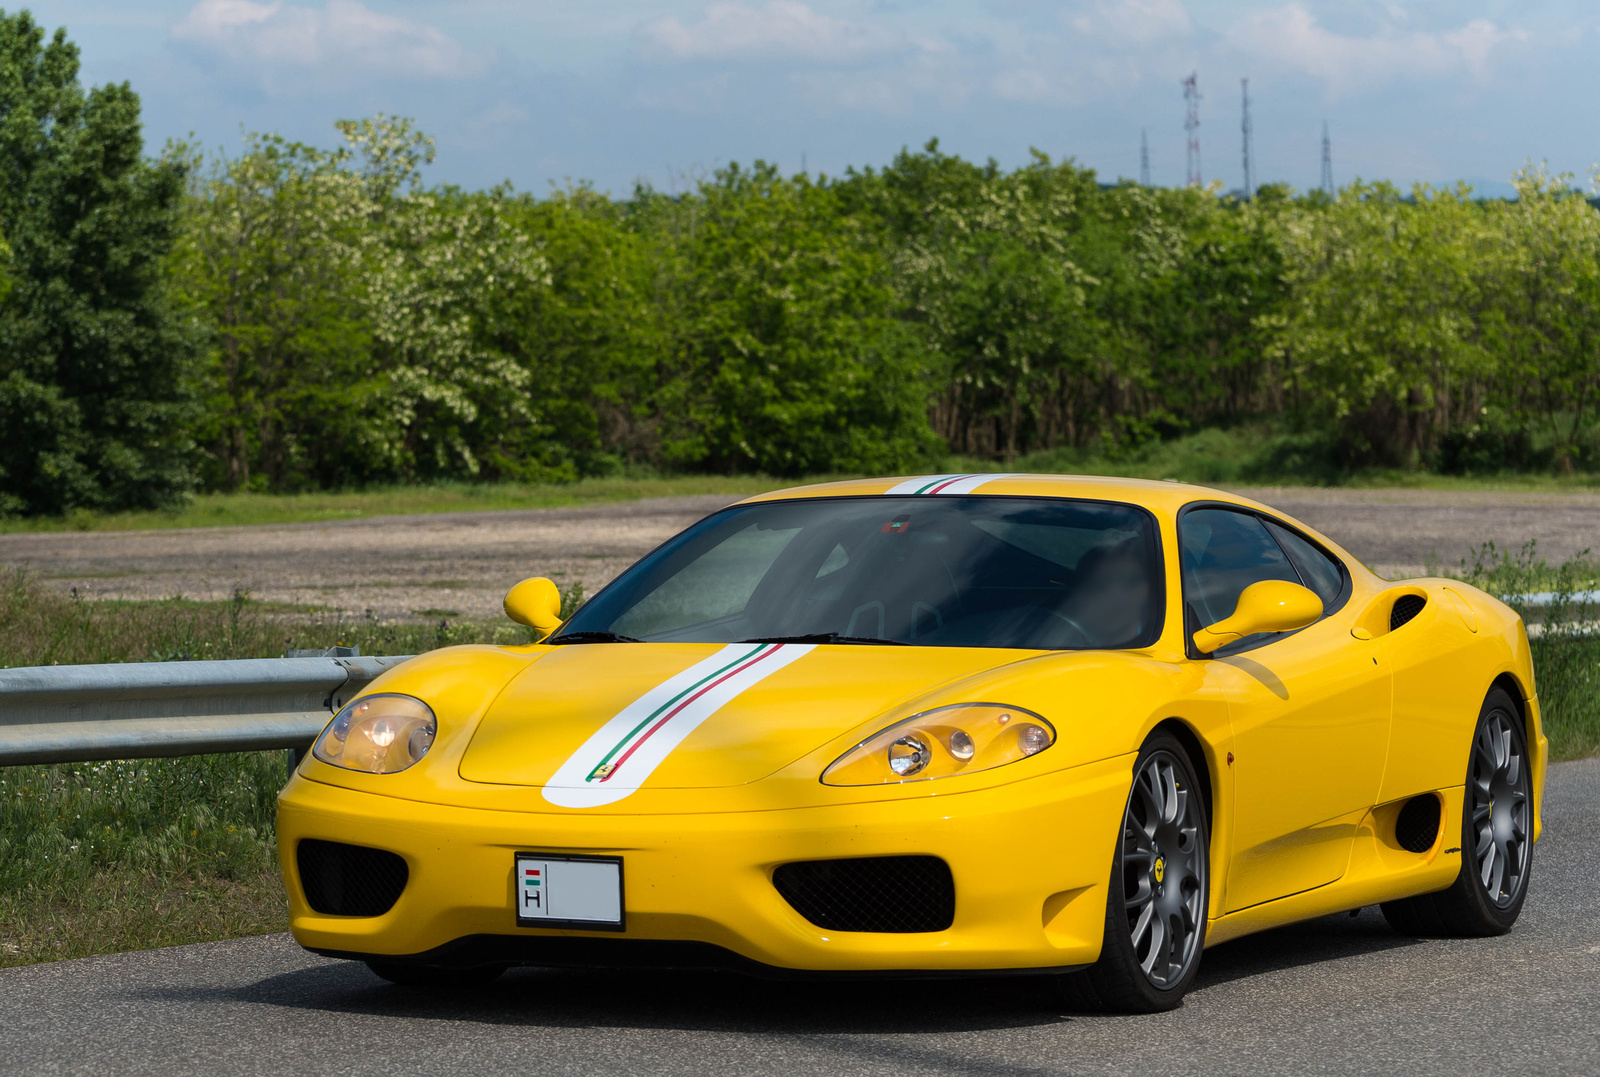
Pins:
<point x="271" y="260"/>
<point x="1545" y="320"/>
<point x="781" y="352"/>
<point x="94" y="355"/>
<point x="1385" y="328"/>
<point x="355" y="320"/>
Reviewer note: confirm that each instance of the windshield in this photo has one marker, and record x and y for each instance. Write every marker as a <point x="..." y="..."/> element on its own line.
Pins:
<point x="937" y="571"/>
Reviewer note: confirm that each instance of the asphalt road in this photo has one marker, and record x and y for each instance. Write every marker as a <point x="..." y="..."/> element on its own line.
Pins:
<point x="1338" y="995"/>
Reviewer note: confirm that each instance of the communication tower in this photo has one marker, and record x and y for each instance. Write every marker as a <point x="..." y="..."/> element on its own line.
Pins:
<point x="1144" y="158"/>
<point x="1191" y="124"/>
<point x="1327" y="161"/>
<point x="1245" y="129"/>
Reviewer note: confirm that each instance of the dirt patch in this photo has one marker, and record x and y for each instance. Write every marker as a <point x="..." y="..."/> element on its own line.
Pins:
<point x="460" y="564"/>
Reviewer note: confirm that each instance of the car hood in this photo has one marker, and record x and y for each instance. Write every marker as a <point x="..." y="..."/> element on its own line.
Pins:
<point x="591" y="723"/>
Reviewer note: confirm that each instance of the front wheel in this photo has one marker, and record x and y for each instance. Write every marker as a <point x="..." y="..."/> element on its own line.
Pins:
<point x="1160" y="886"/>
<point x="1496" y="837"/>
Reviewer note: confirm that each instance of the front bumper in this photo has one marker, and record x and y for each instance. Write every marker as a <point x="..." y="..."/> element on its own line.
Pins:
<point x="1031" y="861"/>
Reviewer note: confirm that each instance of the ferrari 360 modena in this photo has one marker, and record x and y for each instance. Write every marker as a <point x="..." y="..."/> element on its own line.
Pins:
<point x="939" y="726"/>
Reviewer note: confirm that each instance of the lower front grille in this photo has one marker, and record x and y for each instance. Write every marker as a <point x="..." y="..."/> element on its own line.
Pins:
<point x="349" y="880"/>
<point x="879" y="893"/>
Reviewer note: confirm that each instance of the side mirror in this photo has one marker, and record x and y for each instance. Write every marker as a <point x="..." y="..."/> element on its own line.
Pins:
<point x="1268" y="606"/>
<point x="536" y="603"/>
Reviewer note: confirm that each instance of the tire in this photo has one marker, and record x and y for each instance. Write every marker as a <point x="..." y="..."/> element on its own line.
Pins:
<point x="406" y="974"/>
<point x="1159" y="890"/>
<point x="1496" y="837"/>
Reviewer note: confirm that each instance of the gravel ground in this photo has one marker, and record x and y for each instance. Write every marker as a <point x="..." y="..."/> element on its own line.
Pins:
<point x="460" y="564"/>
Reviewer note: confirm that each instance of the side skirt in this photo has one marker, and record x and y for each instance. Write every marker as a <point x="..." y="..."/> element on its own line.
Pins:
<point x="1380" y="870"/>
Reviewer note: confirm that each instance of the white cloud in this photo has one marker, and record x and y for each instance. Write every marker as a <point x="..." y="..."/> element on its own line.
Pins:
<point x="1291" y="37"/>
<point x="342" y="35"/>
<point x="780" y="28"/>
<point x="1132" y="22"/>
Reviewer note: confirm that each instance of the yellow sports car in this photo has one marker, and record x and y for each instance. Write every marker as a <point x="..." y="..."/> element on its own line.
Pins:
<point x="932" y="726"/>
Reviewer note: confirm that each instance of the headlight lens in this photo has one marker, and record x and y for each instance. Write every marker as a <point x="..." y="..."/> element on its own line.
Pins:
<point x="378" y="734"/>
<point x="941" y="743"/>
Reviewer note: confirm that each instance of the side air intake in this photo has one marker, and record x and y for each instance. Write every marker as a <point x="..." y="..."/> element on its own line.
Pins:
<point x="1405" y="607"/>
<point x="349" y="880"/>
<point x="1416" y="828"/>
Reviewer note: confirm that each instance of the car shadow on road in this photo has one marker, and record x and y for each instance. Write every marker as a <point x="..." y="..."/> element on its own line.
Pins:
<point x="657" y="999"/>
<point x="722" y="1002"/>
<point x="1330" y="938"/>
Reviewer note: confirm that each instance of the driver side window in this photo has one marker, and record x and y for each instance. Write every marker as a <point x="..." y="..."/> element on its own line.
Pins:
<point x="1223" y="553"/>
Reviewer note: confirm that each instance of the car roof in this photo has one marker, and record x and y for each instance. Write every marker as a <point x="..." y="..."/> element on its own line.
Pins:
<point x="1165" y="496"/>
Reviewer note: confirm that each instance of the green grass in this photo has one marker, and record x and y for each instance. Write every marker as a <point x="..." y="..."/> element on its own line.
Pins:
<point x="233" y="510"/>
<point x="1566" y="650"/>
<point x="101" y="857"/>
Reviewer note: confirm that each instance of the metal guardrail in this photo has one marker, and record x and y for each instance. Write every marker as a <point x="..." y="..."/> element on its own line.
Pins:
<point x="1548" y="598"/>
<point x="64" y="714"/>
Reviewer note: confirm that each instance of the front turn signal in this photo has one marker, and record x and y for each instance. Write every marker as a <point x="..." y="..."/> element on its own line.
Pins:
<point x="941" y="743"/>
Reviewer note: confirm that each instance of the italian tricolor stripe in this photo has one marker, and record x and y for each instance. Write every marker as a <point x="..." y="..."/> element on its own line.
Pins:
<point x="621" y="754"/>
<point x="930" y="485"/>
<point x="605" y="770"/>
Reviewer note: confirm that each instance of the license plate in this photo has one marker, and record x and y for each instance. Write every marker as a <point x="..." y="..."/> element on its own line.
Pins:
<point x="569" y="891"/>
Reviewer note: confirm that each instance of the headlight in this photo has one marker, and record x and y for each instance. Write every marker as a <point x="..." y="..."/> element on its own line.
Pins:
<point x="941" y="743"/>
<point x="379" y="734"/>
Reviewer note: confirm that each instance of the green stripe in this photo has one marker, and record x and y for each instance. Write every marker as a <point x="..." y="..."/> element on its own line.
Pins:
<point x="936" y="482"/>
<point x="652" y="716"/>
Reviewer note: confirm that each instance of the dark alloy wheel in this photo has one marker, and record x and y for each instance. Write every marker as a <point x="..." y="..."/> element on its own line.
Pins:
<point x="1156" y="910"/>
<point x="1496" y="836"/>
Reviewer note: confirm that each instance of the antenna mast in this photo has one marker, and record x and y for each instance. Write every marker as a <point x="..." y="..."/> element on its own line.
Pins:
<point x="1191" y="124"/>
<point x="1144" y="158"/>
<point x="1327" y="161"/>
<point x="1245" y="128"/>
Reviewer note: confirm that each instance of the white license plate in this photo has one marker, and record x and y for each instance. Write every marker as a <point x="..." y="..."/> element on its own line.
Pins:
<point x="569" y="891"/>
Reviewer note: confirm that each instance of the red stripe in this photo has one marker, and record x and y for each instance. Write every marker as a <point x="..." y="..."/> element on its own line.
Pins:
<point x="948" y="482"/>
<point x="675" y="710"/>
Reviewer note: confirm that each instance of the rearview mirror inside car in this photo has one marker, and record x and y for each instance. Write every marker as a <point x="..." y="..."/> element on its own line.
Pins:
<point x="536" y="603"/>
<point x="1268" y="606"/>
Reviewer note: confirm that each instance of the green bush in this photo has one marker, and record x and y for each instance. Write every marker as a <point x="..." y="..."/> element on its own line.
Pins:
<point x="1563" y="635"/>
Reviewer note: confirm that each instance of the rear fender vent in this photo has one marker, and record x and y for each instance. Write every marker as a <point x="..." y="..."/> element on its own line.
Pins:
<point x="1405" y="607"/>
<point x="878" y="893"/>
<point x="1416" y="828"/>
<point x="349" y="880"/>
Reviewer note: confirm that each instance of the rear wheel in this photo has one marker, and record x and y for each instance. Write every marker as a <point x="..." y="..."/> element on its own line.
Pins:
<point x="1496" y="837"/>
<point x="408" y="975"/>
<point x="1160" y="879"/>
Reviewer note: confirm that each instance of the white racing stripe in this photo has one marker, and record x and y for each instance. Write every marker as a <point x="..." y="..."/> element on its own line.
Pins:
<point x="621" y="754"/>
<point x="931" y="485"/>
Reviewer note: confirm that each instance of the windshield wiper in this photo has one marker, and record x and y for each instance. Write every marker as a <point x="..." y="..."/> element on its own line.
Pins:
<point x="826" y="637"/>
<point x="592" y="637"/>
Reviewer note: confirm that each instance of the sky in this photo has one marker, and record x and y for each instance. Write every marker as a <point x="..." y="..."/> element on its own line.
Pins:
<point x="617" y="92"/>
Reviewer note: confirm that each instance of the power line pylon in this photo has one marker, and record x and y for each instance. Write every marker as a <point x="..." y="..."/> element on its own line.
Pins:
<point x="1327" y="161"/>
<point x="1191" y="124"/>
<point x="1144" y="158"/>
<point x="1245" y="127"/>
